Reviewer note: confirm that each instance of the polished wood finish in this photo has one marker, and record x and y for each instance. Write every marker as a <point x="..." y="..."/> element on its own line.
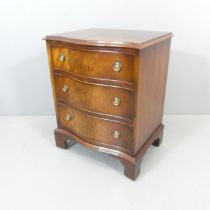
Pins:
<point x="92" y="97"/>
<point x="94" y="129"/>
<point x="94" y="64"/>
<point x="150" y="89"/>
<point x="116" y="112"/>
<point x="112" y="38"/>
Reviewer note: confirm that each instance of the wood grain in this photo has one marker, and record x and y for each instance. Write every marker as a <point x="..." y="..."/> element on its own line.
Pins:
<point x="94" y="98"/>
<point x="94" y="64"/>
<point x="112" y="38"/>
<point x="95" y="129"/>
<point x="87" y="70"/>
<point x="150" y="93"/>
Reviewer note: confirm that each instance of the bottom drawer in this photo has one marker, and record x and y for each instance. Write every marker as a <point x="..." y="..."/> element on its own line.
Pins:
<point x="89" y="128"/>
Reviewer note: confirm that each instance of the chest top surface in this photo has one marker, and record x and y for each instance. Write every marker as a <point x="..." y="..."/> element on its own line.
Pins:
<point x="111" y="37"/>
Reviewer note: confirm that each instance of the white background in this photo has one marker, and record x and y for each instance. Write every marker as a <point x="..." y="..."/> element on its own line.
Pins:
<point x="24" y="75"/>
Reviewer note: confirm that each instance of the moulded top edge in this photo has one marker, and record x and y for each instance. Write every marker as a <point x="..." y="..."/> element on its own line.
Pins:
<point x="112" y="38"/>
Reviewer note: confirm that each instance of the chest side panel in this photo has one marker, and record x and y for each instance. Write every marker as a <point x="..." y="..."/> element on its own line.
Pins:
<point x="152" y="75"/>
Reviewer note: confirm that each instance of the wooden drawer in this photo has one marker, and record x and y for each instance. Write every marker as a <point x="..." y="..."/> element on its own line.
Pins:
<point x="99" y="130"/>
<point x="95" y="98"/>
<point x="94" y="64"/>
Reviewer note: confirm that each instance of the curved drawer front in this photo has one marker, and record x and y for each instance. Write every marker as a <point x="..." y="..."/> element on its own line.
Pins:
<point x="102" y="131"/>
<point x="95" y="98"/>
<point x="104" y="65"/>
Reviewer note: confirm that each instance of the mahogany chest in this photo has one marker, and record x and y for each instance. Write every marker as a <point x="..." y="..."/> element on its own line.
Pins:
<point x="109" y="88"/>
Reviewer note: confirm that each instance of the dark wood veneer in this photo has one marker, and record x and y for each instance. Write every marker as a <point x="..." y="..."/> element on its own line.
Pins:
<point x="111" y="38"/>
<point x="85" y="113"/>
<point x="95" y="64"/>
<point x="96" y="81"/>
<point x="95" y="98"/>
<point x="95" y="128"/>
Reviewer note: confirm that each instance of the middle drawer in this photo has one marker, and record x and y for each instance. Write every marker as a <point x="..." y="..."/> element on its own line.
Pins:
<point x="96" y="98"/>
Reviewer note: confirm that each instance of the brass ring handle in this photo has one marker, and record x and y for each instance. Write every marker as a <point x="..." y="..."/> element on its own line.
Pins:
<point x="68" y="117"/>
<point x="117" y="66"/>
<point x="116" y="101"/>
<point x="61" y="57"/>
<point x="65" y="88"/>
<point x="116" y="134"/>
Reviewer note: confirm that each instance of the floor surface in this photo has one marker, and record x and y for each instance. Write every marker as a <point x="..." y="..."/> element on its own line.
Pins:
<point x="36" y="175"/>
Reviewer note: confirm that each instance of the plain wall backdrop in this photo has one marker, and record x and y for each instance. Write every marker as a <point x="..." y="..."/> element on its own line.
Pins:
<point x="25" y="86"/>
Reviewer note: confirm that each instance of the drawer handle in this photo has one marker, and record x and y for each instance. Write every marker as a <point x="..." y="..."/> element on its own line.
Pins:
<point x="65" y="88"/>
<point x="62" y="57"/>
<point x="68" y="117"/>
<point x="116" y="134"/>
<point x="116" y="101"/>
<point x="117" y="66"/>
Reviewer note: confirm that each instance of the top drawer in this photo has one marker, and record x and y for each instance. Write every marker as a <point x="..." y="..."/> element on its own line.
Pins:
<point x="104" y="65"/>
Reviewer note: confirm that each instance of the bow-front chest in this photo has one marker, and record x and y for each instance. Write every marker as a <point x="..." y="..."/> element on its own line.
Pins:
<point x="109" y="88"/>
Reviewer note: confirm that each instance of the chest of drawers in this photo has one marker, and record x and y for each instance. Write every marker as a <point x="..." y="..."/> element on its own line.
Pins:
<point x="109" y="88"/>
